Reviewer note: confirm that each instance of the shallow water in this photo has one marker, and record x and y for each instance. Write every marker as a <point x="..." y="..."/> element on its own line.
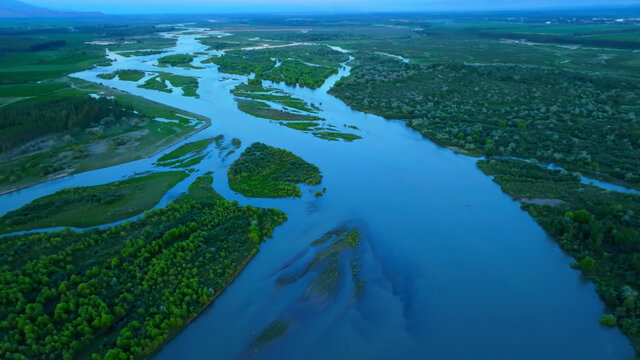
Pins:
<point x="453" y="268"/>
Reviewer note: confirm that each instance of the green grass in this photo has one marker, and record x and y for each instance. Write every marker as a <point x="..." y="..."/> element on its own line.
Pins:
<point x="124" y="75"/>
<point x="37" y="54"/>
<point x="186" y="149"/>
<point x="336" y="136"/>
<point x="257" y="92"/>
<point x="321" y="132"/>
<point x="156" y="83"/>
<point x="249" y="98"/>
<point x="201" y="189"/>
<point x="263" y="110"/>
<point x="88" y="152"/>
<point x="188" y="84"/>
<point x="265" y="171"/>
<point x="191" y="152"/>
<point x="177" y="60"/>
<point x="22" y="65"/>
<point x="302" y="126"/>
<point x="233" y="42"/>
<point x="90" y="206"/>
<point x="145" y="43"/>
<point x="140" y="53"/>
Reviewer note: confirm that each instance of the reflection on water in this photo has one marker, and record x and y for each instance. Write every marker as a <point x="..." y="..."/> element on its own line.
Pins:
<point x="453" y="268"/>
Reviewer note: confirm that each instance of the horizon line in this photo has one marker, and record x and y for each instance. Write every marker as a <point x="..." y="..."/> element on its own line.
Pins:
<point x="304" y="10"/>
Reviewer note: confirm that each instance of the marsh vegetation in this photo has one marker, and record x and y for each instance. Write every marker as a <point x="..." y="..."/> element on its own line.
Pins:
<point x="265" y="171"/>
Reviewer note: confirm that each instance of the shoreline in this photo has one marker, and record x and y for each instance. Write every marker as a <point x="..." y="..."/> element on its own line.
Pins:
<point x="155" y="152"/>
<point x="176" y="331"/>
<point x="596" y="176"/>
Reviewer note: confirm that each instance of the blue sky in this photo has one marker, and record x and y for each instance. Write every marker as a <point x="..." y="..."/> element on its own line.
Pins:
<point x="200" y="6"/>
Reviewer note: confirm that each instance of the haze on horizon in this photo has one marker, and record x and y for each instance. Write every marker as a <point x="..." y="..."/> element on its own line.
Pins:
<point x="255" y="6"/>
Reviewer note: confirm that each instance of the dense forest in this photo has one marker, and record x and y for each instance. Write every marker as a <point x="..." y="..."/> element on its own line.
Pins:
<point x="583" y="122"/>
<point x="265" y="171"/>
<point x="123" y="291"/>
<point x="24" y="122"/>
<point x="598" y="228"/>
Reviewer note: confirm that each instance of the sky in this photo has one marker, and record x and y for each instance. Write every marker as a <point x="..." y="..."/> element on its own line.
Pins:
<point x="254" y="6"/>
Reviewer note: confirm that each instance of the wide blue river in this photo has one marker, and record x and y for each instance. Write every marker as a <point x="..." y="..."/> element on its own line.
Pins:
<point x="453" y="268"/>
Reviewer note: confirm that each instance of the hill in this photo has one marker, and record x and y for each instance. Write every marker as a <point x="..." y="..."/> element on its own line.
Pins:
<point x="19" y="9"/>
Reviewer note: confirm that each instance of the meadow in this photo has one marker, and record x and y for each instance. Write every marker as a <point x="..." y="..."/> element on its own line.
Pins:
<point x="68" y="131"/>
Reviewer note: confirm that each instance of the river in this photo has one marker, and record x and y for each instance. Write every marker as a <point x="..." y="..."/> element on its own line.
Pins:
<point x="453" y="268"/>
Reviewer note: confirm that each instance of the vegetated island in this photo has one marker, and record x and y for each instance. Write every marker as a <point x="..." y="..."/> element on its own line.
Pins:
<point x="188" y="84"/>
<point x="177" y="60"/>
<point x="124" y="291"/>
<point x="186" y="155"/>
<point x="124" y="75"/>
<point x="307" y="65"/>
<point x="253" y="98"/>
<point x="269" y="172"/>
<point x="58" y="133"/>
<point x="92" y="205"/>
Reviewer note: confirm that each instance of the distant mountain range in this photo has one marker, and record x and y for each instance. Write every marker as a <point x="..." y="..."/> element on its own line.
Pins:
<point x="18" y="9"/>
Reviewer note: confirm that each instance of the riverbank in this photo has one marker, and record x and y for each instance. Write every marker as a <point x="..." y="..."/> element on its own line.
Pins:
<point x="189" y="252"/>
<point x="151" y="137"/>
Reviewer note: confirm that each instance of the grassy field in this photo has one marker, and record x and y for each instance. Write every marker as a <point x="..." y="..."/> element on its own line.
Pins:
<point x="336" y="136"/>
<point x="36" y="56"/>
<point x="263" y="110"/>
<point x="265" y="171"/>
<point x="186" y="155"/>
<point x="119" y="142"/>
<point x="301" y="125"/>
<point x="177" y="60"/>
<point x="188" y="84"/>
<point x="251" y="100"/>
<point x="257" y="92"/>
<point x="124" y="75"/>
<point x="91" y="206"/>
<point x="186" y="149"/>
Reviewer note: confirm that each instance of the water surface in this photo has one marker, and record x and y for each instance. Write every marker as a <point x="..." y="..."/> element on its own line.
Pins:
<point x="453" y="268"/>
